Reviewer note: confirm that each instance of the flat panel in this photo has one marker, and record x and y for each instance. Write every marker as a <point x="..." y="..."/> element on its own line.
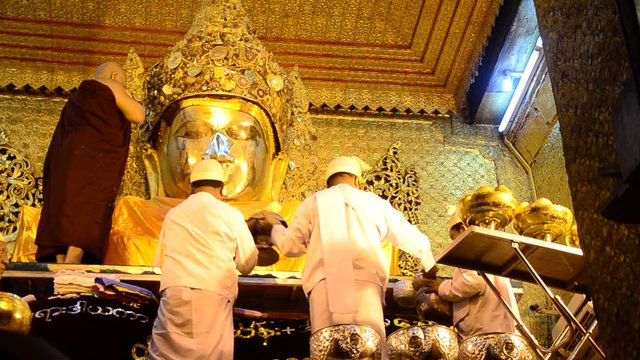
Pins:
<point x="492" y="251"/>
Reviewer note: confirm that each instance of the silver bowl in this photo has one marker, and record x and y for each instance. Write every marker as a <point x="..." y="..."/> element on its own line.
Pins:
<point x="426" y="342"/>
<point x="345" y="342"/>
<point x="496" y="346"/>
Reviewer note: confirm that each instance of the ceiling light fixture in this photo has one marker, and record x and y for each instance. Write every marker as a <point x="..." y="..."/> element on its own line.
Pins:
<point x="525" y="80"/>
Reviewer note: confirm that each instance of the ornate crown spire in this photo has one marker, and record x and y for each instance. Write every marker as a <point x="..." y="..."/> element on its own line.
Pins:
<point x="220" y="56"/>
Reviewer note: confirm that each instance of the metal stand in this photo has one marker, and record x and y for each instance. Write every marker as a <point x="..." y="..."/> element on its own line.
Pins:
<point x="491" y="251"/>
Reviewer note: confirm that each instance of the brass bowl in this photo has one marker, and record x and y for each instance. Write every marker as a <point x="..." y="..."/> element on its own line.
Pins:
<point x="404" y="293"/>
<point x="496" y="346"/>
<point x="261" y="231"/>
<point x="15" y="314"/>
<point x="345" y="342"/>
<point x="543" y="220"/>
<point x="431" y="307"/>
<point x="488" y="208"/>
<point x="572" y="239"/>
<point x="426" y="342"/>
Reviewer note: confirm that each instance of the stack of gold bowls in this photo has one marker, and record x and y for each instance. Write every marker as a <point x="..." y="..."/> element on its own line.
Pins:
<point x="544" y="220"/>
<point x="489" y="208"/>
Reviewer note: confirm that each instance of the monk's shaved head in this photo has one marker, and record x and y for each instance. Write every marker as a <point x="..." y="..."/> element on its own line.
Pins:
<point x="111" y="70"/>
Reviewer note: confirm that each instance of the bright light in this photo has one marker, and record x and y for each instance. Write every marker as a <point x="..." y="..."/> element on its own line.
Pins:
<point x="219" y="117"/>
<point x="507" y="84"/>
<point x="524" y="82"/>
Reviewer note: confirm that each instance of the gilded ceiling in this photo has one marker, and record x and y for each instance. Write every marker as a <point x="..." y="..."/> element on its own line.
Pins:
<point x="402" y="54"/>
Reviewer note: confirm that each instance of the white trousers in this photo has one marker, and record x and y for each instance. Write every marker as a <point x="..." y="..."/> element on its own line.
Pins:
<point x="192" y="324"/>
<point x="369" y="300"/>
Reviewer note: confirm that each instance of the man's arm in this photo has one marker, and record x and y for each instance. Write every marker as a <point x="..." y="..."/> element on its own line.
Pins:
<point x="291" y="241"/>
<point x="407" y="237"/>
<point x="131" y="109"/>
<point x="465" y="284"/>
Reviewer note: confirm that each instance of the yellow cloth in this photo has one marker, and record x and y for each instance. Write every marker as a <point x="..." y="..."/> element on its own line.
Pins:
<point x="25" y="249"/>
<point x="136" y="229"/>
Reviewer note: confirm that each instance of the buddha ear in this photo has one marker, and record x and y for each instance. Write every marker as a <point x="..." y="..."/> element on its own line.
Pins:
<point x="278" y="172"/>
<point x="152" y="170"/>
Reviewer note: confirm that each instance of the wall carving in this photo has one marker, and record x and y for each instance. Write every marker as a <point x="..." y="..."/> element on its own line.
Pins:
<point x="18" y="185"/>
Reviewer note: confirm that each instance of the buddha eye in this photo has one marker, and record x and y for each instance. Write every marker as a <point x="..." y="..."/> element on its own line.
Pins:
<point x="242" y="132"/>
<point x="194" y="130"/>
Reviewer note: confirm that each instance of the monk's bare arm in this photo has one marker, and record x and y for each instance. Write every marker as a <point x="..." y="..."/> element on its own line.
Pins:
<point x="131" y="109"/>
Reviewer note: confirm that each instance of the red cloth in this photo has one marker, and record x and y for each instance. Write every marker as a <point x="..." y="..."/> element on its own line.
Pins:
<point x="82" y="172"/>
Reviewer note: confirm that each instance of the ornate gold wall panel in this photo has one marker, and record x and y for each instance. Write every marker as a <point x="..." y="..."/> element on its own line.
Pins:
<point x="406" y="54"/>
<point x="587" y="63"/>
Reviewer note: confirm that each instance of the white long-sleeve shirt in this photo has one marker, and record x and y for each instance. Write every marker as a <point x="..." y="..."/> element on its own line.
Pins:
<point x="370" y="220"/>
<point x="476" y="309"/>
<point x="202" y="242"/>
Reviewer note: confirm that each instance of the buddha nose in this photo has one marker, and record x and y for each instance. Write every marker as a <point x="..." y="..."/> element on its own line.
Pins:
<point x="219" y="148"/>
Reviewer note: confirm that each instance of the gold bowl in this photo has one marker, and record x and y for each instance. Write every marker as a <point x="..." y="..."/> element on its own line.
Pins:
<point x="572" y="239"/>
<point x="543" y="220"/>
<point x="15" y="314"/>
<point x="488" y="208"/>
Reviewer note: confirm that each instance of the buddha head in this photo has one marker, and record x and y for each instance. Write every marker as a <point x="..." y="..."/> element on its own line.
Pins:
<point x="219" y="94"/>
<point x="231" y="130"/>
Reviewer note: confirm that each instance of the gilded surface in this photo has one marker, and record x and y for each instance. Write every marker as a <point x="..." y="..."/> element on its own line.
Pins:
<point x="587" y="63"/>
<point x="401" y="187"/>
<point x="403" y="54"/>
<point x="18" y="185"/>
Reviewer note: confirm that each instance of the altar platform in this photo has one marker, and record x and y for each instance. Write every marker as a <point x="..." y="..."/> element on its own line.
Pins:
<point x="276" y="325"/>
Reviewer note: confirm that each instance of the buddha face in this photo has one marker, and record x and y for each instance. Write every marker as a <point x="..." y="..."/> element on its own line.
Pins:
<point x="234" y="138"/>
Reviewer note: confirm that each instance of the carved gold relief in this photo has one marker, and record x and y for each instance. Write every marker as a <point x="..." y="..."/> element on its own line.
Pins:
<point x="401" y="187"/>
<point x="18" y="186"/>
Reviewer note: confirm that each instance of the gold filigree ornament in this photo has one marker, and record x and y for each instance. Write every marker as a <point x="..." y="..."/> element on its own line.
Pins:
<point x="401" y="187"/>
<point x="134" y="70"/>
<point x="18" y="185"/>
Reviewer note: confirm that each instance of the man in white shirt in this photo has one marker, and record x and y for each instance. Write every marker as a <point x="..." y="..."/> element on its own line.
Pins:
<point x="476" y="309"/>
<point x="341" y="229"/>
<point x="202" y="242"/>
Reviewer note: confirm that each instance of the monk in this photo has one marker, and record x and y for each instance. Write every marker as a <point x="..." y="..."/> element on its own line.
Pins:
<point x="83" y="168"/>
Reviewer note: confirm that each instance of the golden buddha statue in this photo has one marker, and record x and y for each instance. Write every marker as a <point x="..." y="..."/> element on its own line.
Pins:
<point x="218" y="94"/>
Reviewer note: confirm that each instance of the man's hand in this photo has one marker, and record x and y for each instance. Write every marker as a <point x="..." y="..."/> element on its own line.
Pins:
<point x="432" y="285"/>
<point x="431" y="274"/>
<point x="273" y="218"/>
<point x="419" y="280"/>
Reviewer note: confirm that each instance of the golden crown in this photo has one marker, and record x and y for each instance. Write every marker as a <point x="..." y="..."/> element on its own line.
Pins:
<point x="220" y="56"/>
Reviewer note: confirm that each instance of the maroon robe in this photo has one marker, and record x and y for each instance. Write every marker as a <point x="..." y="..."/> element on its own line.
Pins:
<point x="82" y="173"/>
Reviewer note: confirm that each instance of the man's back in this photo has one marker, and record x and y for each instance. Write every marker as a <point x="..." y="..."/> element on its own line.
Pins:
<point x="201" y="239"/>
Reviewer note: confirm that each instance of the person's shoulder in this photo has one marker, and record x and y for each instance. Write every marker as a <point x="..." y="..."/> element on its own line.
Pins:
<point x="368" y="195"/>
<point x="113" y="85"/>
